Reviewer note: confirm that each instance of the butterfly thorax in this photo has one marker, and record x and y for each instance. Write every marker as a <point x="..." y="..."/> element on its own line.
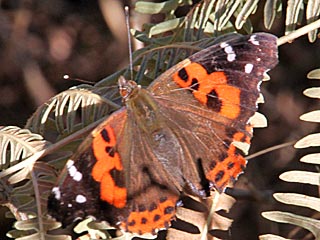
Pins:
<point x="141" y="106"/>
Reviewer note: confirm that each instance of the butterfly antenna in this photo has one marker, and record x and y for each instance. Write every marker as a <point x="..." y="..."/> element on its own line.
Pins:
<point x="126" y="10"/>
<point x="67" y="77"/>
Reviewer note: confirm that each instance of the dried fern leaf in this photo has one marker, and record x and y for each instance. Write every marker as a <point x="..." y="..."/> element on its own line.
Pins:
<point x="199" y="18"/>
<point x="271" y="9"/>
<point x="165" y="26"/>
<point x="220" y="222"/>
<point x="314" y="74"/>
<point x="248" y="8"/>
<point x="313" y="158"/>
<point x="31" y="196"/>
<point x="205" y="17"/>
<point x="204" y="221"/>
<point x="225" y="202"/>
<point x="258" y="120"/>
<point x="17" y="144"/>
<point x="28" y="200"/>
<point x="176" y="234"/>
<point x="271" y="237"/>
<point x="246" y="25"/>
<point x="294" y="10"/>
<point x="313" y="116"/>
<point x="310" y="224"/>
<point x="298" y="200"/>
<point x="163" y="7"/>
<point x="312" y="140"/>
<point x="168" y="8"/>
<point x="89" y="236"/>
<point x="153" y="60"/>
<point x="94" y="230"/>
<point x="312" y="13"/>
<point x="266" y="77"/>
<point x="30" y="229"/>
<point x="40" y="169"/>
<point x="312" y="92"/>
<point x="312" y="178"/>
<point x="69" y="111"/>
<point x="301" y="177"/>
<point x="224" y="10"/>
<point x="194" y="217"/>
<point x="99" y="230"/>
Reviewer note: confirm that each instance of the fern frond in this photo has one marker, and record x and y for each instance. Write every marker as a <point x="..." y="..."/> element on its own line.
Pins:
<point x="17" y="144"/>
<point x="312" y="14"/>
<point x="205" y="17"/>
<point x="205" y="220"/>
<point x="155" y="59"/>
<point x="303" y="177"/>
<point x="307" y="223"/>
<point x="271" y="237"/>
<point x="94" y="230"/>
<point x="34" y="229"/>
<point x="272" y="9"/>
<point x="298" y="200"/>
<point x="28" y="201"/>
<point x="293" y="15"/>
<point x="216" y="17"/>
<point x="69" y="111"/>
<point x="27" y="189"/>
<point x="314" y="74"/>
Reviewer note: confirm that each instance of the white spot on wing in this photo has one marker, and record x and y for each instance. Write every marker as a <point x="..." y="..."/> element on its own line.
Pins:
<point x="77" y="176"/>
<point x="253" y="40"/>
<point x="248" y="68"/>
<point x="223" y="45"/>
<point x="228" y="49"/>
<point x="72" y="171"/>
<point x="81" y="199"/>
<point x="69" y="205"/>
<point x="231" y="56"/>
<point x="70" y="163"/>
<point x="57" y="193"/>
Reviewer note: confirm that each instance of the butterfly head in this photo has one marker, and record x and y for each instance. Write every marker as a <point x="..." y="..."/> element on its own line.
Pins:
<point x="127" y="88"/>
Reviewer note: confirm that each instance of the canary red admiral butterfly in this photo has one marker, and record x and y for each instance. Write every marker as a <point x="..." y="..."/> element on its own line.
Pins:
<point x="176" y="136"/>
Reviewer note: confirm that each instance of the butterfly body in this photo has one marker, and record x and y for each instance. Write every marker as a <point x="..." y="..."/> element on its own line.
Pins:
<point x="174" y="137"/>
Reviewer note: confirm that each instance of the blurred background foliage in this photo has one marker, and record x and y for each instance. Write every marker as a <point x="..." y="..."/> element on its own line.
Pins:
<point x="41" y="41"/>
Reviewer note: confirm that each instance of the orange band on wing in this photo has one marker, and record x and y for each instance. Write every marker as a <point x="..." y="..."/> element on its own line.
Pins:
<point x="227" y="170"/>
<point x="152" y="219"/>
<point x="211" y="90"/>
<point x="229" y="166"/>
<point x="108" y="164"/>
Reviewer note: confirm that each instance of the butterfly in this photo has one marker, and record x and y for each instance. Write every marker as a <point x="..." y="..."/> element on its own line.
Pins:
<point x="177" y="136"/>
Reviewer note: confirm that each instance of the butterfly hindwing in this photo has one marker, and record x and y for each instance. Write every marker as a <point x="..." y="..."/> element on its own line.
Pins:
<point x="91" y="186"/>
<point x="97" y="184"/>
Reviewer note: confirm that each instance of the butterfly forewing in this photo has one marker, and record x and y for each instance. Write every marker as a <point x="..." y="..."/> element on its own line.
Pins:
<point x="215" y="93"/>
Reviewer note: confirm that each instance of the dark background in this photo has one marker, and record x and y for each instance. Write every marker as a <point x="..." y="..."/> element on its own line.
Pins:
<point x="40" y="41"/>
